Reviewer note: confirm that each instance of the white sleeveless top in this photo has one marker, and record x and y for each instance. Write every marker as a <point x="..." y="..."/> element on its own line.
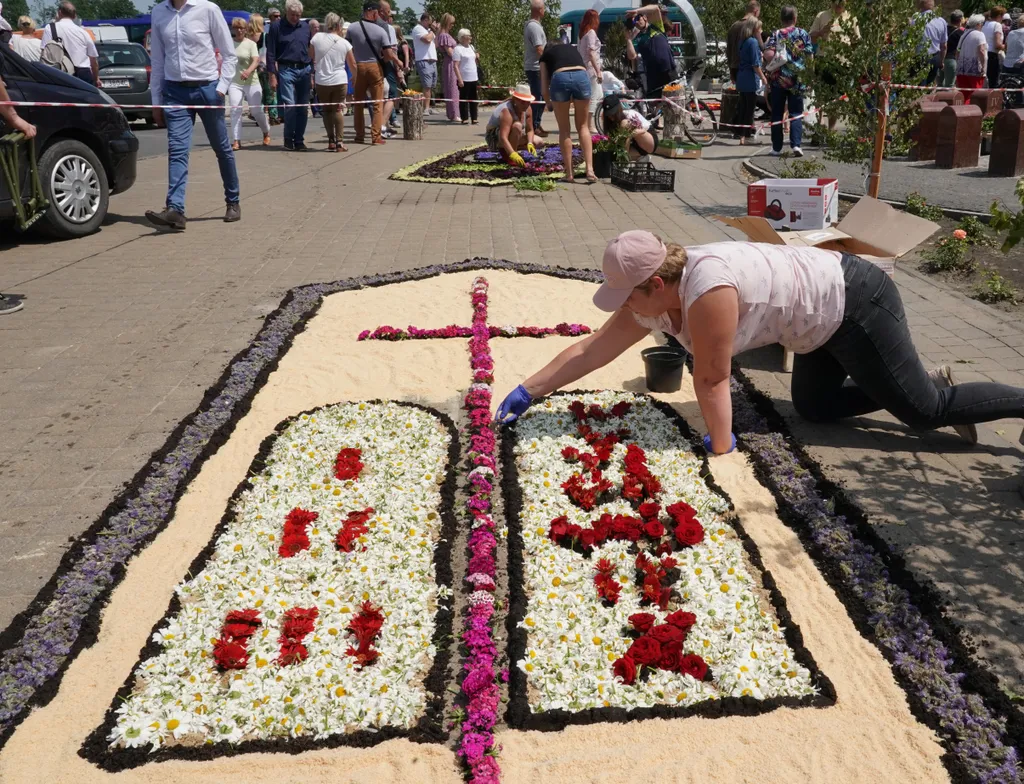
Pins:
<point x="788" y="295"/>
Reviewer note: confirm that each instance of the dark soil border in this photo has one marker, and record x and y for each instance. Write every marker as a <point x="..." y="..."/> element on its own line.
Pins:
<point x="519" y="714"/>
<point x="429" y="728"/>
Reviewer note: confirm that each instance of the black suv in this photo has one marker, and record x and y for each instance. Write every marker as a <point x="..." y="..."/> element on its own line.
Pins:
<point x="84" y="154"/>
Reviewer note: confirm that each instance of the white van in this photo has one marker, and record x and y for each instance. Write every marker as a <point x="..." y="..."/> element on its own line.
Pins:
<point x="108" y="33"/>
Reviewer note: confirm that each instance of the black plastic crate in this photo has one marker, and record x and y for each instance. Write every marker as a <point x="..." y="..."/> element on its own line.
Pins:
<point x="642" y="176"/>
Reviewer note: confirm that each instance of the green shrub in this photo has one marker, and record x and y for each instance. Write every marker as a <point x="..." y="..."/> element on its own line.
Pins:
<point x="996" y="288"/>
<point x="976" y="232"/>
<point x="916" y="205"/>
<point x="948" y="255"/>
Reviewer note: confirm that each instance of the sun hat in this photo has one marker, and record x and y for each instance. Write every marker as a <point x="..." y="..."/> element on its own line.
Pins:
<point x="629" y="260"/>
<point x="522" y="92"/>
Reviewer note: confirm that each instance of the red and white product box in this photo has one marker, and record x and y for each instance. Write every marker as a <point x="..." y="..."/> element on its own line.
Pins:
<point x="795" y="204"/>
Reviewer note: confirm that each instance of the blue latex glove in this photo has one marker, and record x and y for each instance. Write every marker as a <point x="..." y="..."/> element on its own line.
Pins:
<point x="707" y="445"/>
<point x="513" y="406"/>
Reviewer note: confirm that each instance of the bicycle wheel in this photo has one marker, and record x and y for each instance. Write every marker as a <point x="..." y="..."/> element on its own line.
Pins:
<point x="701" y="127"/>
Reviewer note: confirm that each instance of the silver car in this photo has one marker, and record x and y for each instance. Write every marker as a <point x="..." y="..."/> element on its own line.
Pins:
<point x="124" y="76"/>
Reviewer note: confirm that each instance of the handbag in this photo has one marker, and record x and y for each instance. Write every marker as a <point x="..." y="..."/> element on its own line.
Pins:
<point x="781" y="57"/>
<point x="373" y="49"/>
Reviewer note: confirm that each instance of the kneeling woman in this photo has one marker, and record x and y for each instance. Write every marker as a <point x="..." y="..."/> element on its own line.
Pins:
<point x="510" y="128"/>
<point x="642" y="140"/>
<point x="840" y="314"/>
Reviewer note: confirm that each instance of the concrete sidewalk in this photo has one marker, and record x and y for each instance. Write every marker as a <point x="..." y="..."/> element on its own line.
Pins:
<point x="123" y="331"/>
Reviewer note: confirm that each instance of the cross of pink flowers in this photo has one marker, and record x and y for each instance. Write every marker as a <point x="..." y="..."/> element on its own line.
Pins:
<point x="480" y="689"/>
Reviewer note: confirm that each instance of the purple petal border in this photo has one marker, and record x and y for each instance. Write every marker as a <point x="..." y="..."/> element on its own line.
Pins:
<point x="981" y="730"/>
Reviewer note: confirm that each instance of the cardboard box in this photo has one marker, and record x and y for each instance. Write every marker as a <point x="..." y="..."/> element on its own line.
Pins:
<point x="872" y="230"/>
<point x="689" y="151"/>
<point x="795" y="204"/>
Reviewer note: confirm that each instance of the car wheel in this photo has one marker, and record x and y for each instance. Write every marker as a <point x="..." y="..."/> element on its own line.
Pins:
<point x="75" y="184"/>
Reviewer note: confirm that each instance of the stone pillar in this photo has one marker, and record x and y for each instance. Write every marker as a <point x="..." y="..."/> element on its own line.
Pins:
<point x="959" y="139"/>
<point x="949" y="97"/>
<point x="1007" y="159"/>
<point x="925" y="134"/>
<point x="990" y="102"/>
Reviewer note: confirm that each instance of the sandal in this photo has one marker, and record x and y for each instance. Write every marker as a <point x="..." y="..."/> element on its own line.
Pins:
<point x="266" y="140"/>
<point x="591" y="178"/>
<point x="341" y="148"/>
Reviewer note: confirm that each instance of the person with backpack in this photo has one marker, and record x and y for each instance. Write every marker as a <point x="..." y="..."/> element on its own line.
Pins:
<point x="69" y="48"/>
<point x="787" y="54"/>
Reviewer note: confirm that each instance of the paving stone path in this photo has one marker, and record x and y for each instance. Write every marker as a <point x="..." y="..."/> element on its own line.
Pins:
<point x="124" y="330"/>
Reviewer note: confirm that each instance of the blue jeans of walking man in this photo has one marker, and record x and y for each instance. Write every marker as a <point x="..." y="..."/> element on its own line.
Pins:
<point x="293" y="87"/>
<point x="180" y="123"/>
<point x="780" y="99"/>
<point x="533" y="78"/>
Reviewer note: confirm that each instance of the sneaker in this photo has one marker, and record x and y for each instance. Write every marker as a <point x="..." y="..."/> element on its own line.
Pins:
<point x="942" y="377"/>
<point x="797" y="152"/>
<point x="289" y="145"/>
<point x="300" y="147"/>
<point x="387" y="133"/>
<point x="233" y="213"/>
<point x="10" y="303"/>
<point x="168" y="218"/>
<point x="538" y="131"/>
<point x="775" y="153"/>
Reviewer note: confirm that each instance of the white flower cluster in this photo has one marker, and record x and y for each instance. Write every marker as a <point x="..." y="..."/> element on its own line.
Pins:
<point x="573" y="639"/>
<point x="181" y="695"/>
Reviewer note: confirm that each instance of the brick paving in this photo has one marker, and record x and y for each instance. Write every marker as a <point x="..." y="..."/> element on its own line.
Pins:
<point x="123" y="331"/>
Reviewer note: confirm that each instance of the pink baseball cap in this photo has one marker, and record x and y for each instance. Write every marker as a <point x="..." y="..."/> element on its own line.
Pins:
<point x="629" y="260"/>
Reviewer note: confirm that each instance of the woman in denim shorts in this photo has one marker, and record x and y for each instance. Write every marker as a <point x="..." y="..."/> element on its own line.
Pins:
<point x="565" y="81"/>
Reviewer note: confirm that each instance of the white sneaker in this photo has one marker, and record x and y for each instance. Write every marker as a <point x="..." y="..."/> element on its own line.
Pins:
<point x="797" y="152"/>
<point x="775" y="153"/>
<point x="942" y="377"/>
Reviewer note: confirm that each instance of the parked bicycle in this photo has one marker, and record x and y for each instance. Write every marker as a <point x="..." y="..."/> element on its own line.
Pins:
<point x="700" y="124"/>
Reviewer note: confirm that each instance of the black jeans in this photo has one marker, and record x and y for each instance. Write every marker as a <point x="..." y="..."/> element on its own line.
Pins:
<point x="992" y="71"/>
<point x="746" y="114"/>
<point x="467" y="93"/>
<point x="873" y="348"/>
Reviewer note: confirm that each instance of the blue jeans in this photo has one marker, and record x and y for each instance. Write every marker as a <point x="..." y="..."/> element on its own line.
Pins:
<point x="570" y="86"/>
<point x="180" y="123"/>
<point x="780" y="97"/>
<point x="533" y="77"/>
<point x="872" y="347"/>
<point x="293" y="87"/>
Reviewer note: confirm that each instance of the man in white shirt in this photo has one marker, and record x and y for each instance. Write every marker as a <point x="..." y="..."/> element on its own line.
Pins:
<point x="77" y="43"/>
<point x="187" y="36"/>
<point x="425" y="53"/>
<point x="935" y="37"/>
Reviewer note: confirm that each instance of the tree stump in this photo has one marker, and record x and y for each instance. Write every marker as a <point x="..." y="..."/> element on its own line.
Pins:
<point x="1007" y="159"/>
<point x="674" y="114"/>
<point x="730" y="111"/>
<point x="959" y="142"/>
<point x="412" y="117"/>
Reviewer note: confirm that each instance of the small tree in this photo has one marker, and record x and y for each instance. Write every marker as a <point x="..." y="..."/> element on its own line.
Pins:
<point x="13" y="9"/>
<point x="844" y="72"/>
<point x="614" y="53"/>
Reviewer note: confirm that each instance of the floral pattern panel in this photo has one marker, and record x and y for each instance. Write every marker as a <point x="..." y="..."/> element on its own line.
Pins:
<point x="638" y="588"/>
<point x="317" y="614"/>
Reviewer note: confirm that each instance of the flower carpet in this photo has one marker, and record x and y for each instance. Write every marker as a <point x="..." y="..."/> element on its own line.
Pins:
<point x="339" y="569"/>
<point x="478" y="166"/>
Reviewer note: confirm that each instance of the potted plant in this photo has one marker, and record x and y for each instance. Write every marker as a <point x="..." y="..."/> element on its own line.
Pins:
<point x="988" y="125"/>
<point x="609" y="149"/>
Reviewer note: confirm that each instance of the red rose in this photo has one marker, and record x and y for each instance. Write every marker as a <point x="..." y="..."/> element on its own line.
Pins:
<point x="230" y="655"/>
<point x="652" y="588"/>
<point x="625" y="670"/>
<point x="663" y="549"/>
<point x="681" y="512"/>
<point x="578" y="409"/>
<point x="682" y="620"/>
<point x="689" y="533"/>
<point x="621" y="409"/>
<point x="642" y="622"/>
<point x="588" y="538"/>
<point x="665" y="633"/>
<point x="645" y="650"/>
<point x="650" y="510"/>
<point x="559" y="528"/>
<point x="693" y="665"/>
<point x="671" y="656"/>
<point x="654" y="529"/>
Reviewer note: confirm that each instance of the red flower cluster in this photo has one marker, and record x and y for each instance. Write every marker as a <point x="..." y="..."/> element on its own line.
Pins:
<point x="298" y="622"/>
<point x="606" y="527"/>
<point x="656" y="579"/>
<point x="595" y="412"/>
<point x="638" y="483"/>
<point x="347" y="464"/>
<point x="660" y="647"/>
<point x="231" y="651"/>
<point x="296" y="536"/>
<point x="353" y="527"/>
<point x="688" y="530"/>
<point x="365" y="626"/>
<point x="587" y="495"/>
<point x="607" y="586"/>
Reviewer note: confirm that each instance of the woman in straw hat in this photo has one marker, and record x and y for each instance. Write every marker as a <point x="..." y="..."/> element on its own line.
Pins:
<point x="840" y="314"/>
<point x="510" y="128"/>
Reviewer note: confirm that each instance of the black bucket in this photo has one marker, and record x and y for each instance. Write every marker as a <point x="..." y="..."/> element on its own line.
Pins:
<point x="663" y="368"/>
